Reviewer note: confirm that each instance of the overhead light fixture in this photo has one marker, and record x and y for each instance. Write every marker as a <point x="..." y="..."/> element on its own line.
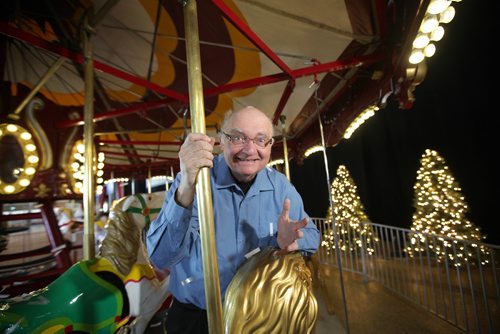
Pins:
<point x="312" y="150"/>
<point x="167" y="178"/>
<point x="438" y="11"/>
<point x="276" y="162"/>
<point x="367" y="113"/>
<point x="117" y="180"/>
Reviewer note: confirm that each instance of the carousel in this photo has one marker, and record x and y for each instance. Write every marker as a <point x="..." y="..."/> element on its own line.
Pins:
<point x="98" y="96"/>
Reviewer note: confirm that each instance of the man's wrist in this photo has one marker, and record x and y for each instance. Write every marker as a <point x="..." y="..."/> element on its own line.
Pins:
<point x="184" y="195"/>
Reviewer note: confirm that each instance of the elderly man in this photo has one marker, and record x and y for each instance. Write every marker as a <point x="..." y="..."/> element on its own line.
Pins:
<point x="254" y="207"/>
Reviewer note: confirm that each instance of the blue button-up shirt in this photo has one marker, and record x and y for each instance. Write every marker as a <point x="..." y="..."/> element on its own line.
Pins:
<point x="243" y="223"/>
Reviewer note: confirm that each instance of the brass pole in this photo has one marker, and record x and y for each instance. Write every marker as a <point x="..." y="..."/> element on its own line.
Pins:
<point x="285" y="147"/>
<point x="149" y="180"/>
<point x="334" y="225"/>
<point x="167" y="186"/>
<point x="43" y="80"/>
<point x="203" y="189"/>
<point x="88" y="142"/>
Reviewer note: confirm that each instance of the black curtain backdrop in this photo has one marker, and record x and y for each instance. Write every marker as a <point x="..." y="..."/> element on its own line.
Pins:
<point x="453" y="114"/>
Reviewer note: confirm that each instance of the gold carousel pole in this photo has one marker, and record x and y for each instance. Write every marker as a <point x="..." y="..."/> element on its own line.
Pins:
<point x="285" y="147"/>
<point x="149" y="180"/>
<point x="203" y="189"/>
<point x="88" y="142"/>
<point x="53" y="69"/>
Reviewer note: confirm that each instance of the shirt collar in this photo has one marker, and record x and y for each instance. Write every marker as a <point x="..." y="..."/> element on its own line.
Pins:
<point x="224" y="179"/>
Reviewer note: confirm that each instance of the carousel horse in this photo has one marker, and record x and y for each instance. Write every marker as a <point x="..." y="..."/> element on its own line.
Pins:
<point x="271" y="293"/>
<point x="117" y="292"/>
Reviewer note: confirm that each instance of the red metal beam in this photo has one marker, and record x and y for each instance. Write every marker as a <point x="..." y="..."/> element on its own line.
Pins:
<point x="333" y="66"/>
<point x="22" y="35"/>
<point x="269" y="79"/>
<point x="117" y="112"/>
<point x="245" y="30"/>
<point x="34" y="252"/>
<point x="260" y="81"/>
<point x="339" y="65"/>
<point x="284" y="99"/>
<point x="21" y="216"/>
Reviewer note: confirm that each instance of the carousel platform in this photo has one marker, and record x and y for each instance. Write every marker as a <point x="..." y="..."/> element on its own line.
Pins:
<point x="372" y="308"/>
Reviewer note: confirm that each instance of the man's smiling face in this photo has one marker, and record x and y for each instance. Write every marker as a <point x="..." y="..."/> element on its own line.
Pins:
<point x="246" y="160"/>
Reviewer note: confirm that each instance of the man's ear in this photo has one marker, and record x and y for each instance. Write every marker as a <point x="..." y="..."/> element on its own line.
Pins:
<point x="221" y="144"/>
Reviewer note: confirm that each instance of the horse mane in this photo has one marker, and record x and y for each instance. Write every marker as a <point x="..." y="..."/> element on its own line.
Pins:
<point x="271" y="293"/>
<point x="123" y="238"/>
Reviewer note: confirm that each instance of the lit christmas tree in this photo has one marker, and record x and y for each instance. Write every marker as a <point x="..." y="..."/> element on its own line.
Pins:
<point x="349" y="217"/>
<point x="440" y="210"/>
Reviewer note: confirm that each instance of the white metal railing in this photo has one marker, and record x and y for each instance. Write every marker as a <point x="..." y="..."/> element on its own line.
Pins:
<point x="455" y="279"/>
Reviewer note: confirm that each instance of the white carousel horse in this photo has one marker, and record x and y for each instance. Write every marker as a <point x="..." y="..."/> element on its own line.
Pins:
<point x="124" y="247"/>
<point x="120" y="286"/>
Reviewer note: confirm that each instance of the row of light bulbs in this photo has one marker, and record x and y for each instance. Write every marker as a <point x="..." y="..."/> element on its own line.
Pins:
<point x="21" y="176"/>
<point x="438" y="12"/>
<point x="77" y="169"/>
<point x="358" y="121"/>
<point x="355" y="124"/>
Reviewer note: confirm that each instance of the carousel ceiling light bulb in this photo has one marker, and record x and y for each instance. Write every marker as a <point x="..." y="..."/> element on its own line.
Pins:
<point x="30" y="171"/>
<point x="429" y="23"/>
<point x="11" y="128"/>
<point x="430" y="50"/>
<point x="33" y="159"/>
<point x="421" y="41"/>
<point x="24" y="182"/>
<point x="9" y="189"/>
<point x="437" y="6"/>
<point x="26" y="136"/>
<point x="448" y="15"/>
<point x="30" y="147"/>
<point x="416" y="56"/>
<point x="437" y="34"/>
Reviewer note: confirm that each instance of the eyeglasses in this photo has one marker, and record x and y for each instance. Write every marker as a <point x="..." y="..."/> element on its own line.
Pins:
<point x="240" y="140"/>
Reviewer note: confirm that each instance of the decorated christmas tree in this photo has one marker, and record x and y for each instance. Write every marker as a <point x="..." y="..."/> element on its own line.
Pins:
<point x="441" y="215"/>
<point x="349" y="217"/>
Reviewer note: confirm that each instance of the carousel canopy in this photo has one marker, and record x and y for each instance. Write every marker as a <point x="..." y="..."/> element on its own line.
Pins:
<point x="299" y="61"/>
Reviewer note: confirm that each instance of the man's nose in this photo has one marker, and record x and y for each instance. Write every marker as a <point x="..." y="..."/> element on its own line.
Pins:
<point x="250" y="145"/>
